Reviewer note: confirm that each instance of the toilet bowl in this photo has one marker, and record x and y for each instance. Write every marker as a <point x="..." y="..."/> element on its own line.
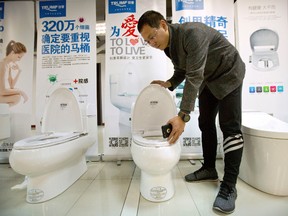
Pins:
<point x="5" y="125"/>
<point x="154" y="156"/>
<point x="4" y="122"/>
<point x="264" y="44"/>
<point x="264" y="160"/>
<point x="54" y="160"/>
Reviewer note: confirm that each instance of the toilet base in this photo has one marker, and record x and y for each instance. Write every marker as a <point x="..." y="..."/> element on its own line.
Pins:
<point x="156" y="188"/>
<point x="49" y="185"/>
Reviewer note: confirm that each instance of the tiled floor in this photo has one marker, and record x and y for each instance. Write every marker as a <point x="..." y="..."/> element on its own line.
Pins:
<point x="107" y="189"/>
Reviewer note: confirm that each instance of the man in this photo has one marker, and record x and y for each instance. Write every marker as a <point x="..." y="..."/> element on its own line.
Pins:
<point x="213" y="69"/>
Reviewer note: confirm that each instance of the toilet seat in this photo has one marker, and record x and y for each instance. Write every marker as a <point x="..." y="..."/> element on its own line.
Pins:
<point x="153" y="108"/>
<point x="150" y="141"/>
<point x="45" y="140"/>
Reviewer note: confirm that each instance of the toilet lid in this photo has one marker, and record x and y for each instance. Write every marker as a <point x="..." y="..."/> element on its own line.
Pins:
<point x="263" y="40"/>
<point x="45" y="140"/>
<point x="62" y="113"/>
<point x="153" y="108"/>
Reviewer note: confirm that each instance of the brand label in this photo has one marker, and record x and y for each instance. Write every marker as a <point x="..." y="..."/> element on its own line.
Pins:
<point x="52" y="8"/>
<point x="116" y="6"/>
<point x="158" y="193"/>
<point x="189" y="5"/>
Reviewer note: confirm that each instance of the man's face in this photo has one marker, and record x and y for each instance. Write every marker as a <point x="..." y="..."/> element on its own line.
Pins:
<point x="156" y="37"/>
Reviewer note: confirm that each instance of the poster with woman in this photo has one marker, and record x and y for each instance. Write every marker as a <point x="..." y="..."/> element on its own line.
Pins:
<point x="16" y="70"/>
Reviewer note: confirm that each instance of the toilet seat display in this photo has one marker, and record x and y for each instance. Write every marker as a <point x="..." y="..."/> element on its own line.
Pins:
<point x="45" y="140"/>
<point x="264" y="44"/>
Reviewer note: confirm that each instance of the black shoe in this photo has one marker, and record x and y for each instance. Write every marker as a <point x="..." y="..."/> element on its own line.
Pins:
<point x="225" y="200"/>
<point x="203" y="174"/>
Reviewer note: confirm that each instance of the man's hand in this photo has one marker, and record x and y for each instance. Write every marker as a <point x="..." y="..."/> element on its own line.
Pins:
<point x="178" y="126"/>
<point x="165" y="84"/>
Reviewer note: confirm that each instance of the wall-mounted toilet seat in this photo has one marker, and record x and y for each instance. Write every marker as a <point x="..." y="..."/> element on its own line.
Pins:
<point x="45" y="140"/>
<point x="264" y="44"/>
<point x="150" y="141"/>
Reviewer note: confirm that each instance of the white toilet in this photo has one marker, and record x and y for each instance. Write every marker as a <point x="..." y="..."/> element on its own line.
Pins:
<point x="124" y="89"/>
<point x="54" y="160"/>
<point x="4" y="122"/>
<point x="150" y="151"/>
<point x="265" y="163"/>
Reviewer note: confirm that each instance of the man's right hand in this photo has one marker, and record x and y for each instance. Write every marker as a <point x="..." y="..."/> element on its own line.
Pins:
<point x="165" y="84"/>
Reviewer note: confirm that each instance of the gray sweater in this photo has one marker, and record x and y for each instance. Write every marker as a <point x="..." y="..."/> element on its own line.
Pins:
<point x="202" y="56"/>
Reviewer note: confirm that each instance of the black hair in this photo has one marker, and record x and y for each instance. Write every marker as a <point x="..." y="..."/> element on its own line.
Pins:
<point x="151" y="18"/>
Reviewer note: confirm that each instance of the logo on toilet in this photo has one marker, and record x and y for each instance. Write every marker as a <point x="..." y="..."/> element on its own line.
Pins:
<point x="35" y="195"/>
<point x="158" y="193"/>
<point x="153" y="103"/>
<point x="63" y="105"/>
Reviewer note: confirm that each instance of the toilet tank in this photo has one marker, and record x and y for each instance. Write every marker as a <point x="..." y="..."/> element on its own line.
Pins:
<point x="4" y="121"/>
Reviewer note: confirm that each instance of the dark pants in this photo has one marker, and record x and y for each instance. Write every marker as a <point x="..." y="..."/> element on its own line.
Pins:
<point x="229" y="109"/>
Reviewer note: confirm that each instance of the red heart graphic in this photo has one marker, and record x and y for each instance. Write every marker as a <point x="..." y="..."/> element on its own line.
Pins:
<point x="134" y="41"/>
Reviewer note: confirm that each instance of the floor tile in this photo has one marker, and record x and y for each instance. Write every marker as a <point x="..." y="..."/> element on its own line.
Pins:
<point x="112" y="170"/>
<point x="103" y="197"/>
<point x="14" y="204"/>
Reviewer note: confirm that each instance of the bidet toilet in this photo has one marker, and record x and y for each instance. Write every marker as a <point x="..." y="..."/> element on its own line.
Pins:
<point x="264" y="44"/>
<point x="154" y="156"/>
<point x="264" y="160"/>
<point x="54" y="160"/>
<point x="124" y="89"/>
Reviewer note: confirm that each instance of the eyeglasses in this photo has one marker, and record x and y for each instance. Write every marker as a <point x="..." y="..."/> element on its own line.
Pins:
<point x="152" y="37"/>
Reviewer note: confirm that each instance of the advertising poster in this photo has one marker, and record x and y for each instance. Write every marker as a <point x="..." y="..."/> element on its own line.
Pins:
<point x="131" y="65"/>
<point x="262" y="35"/>
<point x="16" y="73"/>
<point x="218" y="14"/>
<point x="66" y="54"/>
